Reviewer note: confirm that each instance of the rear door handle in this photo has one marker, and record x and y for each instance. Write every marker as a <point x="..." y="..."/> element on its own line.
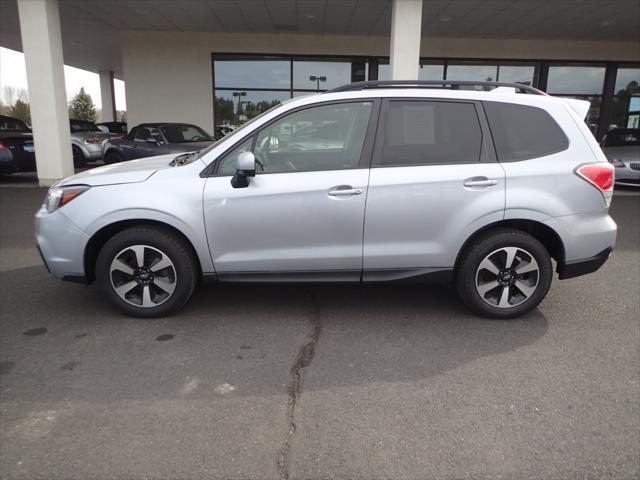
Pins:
<point x="344" y="191"/>
<point x="479" y="182"/>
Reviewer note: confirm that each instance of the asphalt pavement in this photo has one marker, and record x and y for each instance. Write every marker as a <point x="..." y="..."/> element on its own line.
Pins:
<point x="349" y="382"/>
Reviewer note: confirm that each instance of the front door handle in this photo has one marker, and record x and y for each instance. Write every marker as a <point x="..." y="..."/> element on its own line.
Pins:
<point x="479" y="182"/>
<point x="344" y="191"/>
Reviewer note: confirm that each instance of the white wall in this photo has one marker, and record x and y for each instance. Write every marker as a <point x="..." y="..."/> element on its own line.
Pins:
<point x="168" y="74"/>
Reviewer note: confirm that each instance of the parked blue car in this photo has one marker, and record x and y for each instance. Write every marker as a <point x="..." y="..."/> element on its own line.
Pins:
<point x="150" y="139"/>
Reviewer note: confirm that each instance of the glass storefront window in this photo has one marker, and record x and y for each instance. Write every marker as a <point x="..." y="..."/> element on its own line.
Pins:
<point x="236" y="109"/>
<point x="575" y="80"/>
<point x="428" y="71"/>
<point x="524" y="74"/>
<point x="335" y="72"/>
<point x="479" y="73"/>
<point x="626" y="102"/>
<point x="252" y="72"/>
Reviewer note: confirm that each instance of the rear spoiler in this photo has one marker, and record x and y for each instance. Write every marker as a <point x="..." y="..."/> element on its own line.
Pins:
<point x="581" y="107"/>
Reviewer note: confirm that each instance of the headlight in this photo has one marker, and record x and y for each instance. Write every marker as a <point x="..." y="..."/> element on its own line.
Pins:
<point x="59" y="196"/>
<point x="616" y="162"/>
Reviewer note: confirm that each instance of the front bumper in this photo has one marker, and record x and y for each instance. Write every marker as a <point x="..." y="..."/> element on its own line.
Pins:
<point x="61" y="244"/>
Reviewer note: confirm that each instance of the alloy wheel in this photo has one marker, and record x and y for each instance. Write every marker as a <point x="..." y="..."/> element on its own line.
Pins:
<point x="507" y="277"/>
<point x="143" y="276"/>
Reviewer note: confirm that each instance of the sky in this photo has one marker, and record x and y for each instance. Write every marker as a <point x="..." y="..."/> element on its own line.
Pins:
<point x="13" y="73"/>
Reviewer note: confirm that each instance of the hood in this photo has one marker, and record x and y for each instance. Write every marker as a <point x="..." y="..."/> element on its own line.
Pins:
<point x="190" y="146"/>
<point x="133" y="171"/>
<point x="622" y="153"/>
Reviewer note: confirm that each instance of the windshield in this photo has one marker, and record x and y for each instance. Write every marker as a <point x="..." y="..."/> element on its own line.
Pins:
<point x="239" y="130"/>
<point x="83" y="126"/>
<point x="8" y="124"/>
<point x="623" y="138"/>
<point x="181" y="133"/>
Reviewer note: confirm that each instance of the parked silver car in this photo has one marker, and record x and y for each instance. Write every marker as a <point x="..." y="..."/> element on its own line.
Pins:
<point x="622" y="148"/>
<point x="86" y="142"/>
<point x="477" y="188"/>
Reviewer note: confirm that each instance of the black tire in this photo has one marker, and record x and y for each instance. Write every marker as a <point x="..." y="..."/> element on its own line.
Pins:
<point x="78" y="157"/>
<point x="183" y="271"/>
<point x="112" y="157"/>
<point x="470" y="278"/>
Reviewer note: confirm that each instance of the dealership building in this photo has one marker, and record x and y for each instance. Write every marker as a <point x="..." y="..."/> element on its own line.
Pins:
<point x="215" y="62"/>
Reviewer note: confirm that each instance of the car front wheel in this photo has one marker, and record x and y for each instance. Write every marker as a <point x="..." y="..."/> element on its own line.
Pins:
<point x="113" y="157"/>
<point x="147" y="271"/>
<point x="79" y="160"/>
<point x="504" y="274"/>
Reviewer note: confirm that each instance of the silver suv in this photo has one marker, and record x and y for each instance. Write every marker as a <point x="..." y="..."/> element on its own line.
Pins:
<point x="371" y="182"/>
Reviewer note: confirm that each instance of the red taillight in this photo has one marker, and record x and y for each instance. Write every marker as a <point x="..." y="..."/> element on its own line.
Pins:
<point x="600" y="175"/>
<point x="2" y="146"/>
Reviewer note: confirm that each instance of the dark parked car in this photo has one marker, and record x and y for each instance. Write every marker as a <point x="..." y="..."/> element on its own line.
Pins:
<point x="17" y="153"/>
<point x="113" y="127"/>
<point x="150" y="139"/>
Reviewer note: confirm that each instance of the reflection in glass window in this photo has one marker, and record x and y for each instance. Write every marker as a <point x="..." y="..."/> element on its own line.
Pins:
<point x="228" y="165"/>
<point x="576" y="80"/>
<point x="428" y="71"/>
<point x="627" y="80"/>
<point x="472" y="72"/>
<point x="626" y="102"/>
<point x="244" y="105"/>
<point x="336" y="73"/>
<point x="252" y="72"/>
<point x="327" y="137"/>
<point x="516" y="74"/>
<point x="423" y="133"/>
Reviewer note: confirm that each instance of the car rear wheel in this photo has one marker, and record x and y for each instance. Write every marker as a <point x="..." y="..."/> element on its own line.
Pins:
<point x="147" y="271"/>
<point x="113" y="157"/>
<point x="504" y="274"/>
<point x="79" y="160"/>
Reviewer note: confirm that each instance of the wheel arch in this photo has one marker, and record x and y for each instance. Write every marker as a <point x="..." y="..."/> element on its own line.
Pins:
<point x="546" y="235"/>
<point x="100" y="237"/>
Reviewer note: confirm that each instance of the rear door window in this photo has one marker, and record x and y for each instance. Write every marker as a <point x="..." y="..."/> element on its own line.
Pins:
<point x="419" y="132"/>
<point x="521" y="132"/>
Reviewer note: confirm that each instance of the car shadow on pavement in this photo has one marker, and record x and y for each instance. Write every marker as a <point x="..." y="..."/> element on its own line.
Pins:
<point x="74" y="341"/>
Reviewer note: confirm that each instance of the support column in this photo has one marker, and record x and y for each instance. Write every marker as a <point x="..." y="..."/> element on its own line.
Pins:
<point x="406" y="33"/>
<point x="42" y="46"/>
<point x="108" y="96"/>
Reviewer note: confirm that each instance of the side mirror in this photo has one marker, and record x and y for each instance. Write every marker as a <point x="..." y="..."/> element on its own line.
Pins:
<point x="245" y="168"/>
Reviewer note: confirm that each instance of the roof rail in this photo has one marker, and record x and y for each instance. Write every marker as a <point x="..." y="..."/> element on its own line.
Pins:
<point x="453" y="84"/>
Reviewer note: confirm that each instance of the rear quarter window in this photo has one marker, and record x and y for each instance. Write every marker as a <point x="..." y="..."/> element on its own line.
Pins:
<point x="521" y="132"/>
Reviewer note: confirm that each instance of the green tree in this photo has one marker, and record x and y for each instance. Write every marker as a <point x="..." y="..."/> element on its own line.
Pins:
<point x="21" y="110"/>
<point x="82" y="107"/>
<point x="224" y="110"/>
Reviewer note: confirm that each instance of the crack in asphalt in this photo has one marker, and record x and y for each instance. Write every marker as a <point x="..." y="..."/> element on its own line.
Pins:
<point x="303" y="360"/>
